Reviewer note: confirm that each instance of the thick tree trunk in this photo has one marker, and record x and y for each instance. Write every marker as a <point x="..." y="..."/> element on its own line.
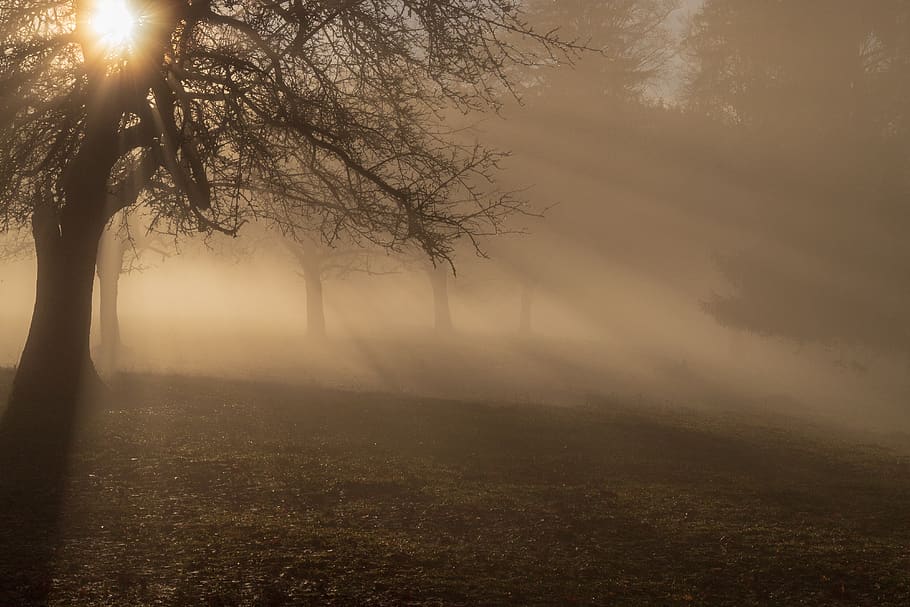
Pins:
<point x="315" y="308"/>
<point x="55" y="363"/>
<point x="442" y="313"/>
<point x="37" y="428"/>
<point x="527" y="298"/>
<point x="55" y="369"/>
<point x="110" y="267"/>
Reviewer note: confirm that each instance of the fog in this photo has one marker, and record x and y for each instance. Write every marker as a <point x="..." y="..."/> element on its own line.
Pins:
<point x="462" y="302"/>
<point x="669" y="254"/>
<point x="613" y="315"/>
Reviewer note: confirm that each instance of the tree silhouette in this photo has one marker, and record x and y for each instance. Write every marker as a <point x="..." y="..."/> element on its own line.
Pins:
<point x="572" y="117"/>
<point x="442" y="311"/>
<point x="214" y="112"/>
<point x="122" y="246"/>
<point x="815" y="96"/>
<point x="630" y="35"/>
<point x="320" y="261"/>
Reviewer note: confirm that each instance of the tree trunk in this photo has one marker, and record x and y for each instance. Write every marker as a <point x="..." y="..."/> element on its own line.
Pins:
<point x="56" y="364"/>
<point x="442" y="314"/>
<point x="315" y="309"/>
<point x="110" y="267"/>
<point x="38" y="426"/>
<point x="56" y="369"/>
<point x="311" y="262"/>
<point x="524" y="320"/>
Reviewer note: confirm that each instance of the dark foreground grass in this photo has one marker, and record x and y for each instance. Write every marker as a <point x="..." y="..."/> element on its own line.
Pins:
<point x="200" y="492"/>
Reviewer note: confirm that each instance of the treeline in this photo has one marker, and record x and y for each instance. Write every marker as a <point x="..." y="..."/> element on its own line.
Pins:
<point x="781" y="128"/>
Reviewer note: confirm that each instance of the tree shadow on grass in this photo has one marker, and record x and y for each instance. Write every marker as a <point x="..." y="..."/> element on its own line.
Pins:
<point x="35" y="443"/>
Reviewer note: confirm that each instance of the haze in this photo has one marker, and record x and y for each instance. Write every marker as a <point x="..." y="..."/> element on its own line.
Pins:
<point x="642" y="204"/>
<point x="593" y="303"/>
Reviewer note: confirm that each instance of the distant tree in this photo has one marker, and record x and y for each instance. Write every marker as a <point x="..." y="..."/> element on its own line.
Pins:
<point x="110" y="265"/>
<point x="320" y="261"/>
<point x="442" y="310"/>
<point x="439" y="277"/>
<point x="210" y="113"/>
<point x="571" y="117"/>
<point x="123" y="245"/>
<point x="632" y="39"/>
<point x="815" y="96"/>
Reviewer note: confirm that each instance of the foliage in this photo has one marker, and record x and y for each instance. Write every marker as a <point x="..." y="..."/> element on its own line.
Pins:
<point x="815" y="96"/>
<point x="630" y="36"/>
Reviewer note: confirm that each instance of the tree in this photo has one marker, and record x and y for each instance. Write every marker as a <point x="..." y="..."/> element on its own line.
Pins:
<point x="211" y="112"/>
<point x="630" y="35"/>
<point x="120" y="251"/>
<point x="320" y="261"/>
<point x="814" y="95"/>
<point x="311" y="258"/>
<point x="572" y="118"/>
<point x="111" y="257"/>
<point x="439" y="277"/>
<point x="442" y="311"/>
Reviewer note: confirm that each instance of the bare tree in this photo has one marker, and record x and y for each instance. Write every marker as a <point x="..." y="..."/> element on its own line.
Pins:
<point x="568" y="114"/>
<point x="110" y="265"/>
<point x="442" y="311"/>
<point x="320" y="261"/>
<point x="210" y="113"/>
<point x="122" y="248"/>
<point x="632" y="40"/>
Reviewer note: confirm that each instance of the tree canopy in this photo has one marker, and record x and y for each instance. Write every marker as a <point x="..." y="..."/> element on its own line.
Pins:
<point x="213" y="112"/>
<point x="815" y="95"/>
<point x="325" y="115"/>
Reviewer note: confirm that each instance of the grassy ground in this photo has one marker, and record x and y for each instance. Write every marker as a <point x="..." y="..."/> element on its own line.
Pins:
<point x="202" y="492"/>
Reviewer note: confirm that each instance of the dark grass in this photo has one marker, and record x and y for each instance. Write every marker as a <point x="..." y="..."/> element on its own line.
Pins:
<point x="204" y="492"/>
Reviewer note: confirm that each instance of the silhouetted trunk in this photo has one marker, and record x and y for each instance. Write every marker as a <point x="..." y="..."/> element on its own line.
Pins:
<point x="56" y="363"/>
<point x="311" y="264"/>
<point x="110" y="267"/>
<point x="442" y="314"/>
<point x="55" y="369"/>
<point x="37" y="428"/>
<point x="315" y="309"/>
<point x="524" y="320"/>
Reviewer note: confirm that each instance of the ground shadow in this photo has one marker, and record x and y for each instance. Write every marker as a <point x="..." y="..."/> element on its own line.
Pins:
<point x="35" y="441"/>
<point x="188" y="491"/>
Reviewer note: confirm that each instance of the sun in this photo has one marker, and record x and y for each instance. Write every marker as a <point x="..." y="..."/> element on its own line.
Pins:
<point x="114" y="23"/>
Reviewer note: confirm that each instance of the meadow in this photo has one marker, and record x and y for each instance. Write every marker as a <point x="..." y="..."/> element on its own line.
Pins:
<point x="203" y="491"/>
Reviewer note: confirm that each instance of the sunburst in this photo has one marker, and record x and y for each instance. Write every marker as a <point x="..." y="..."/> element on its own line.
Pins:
<point x="114" y="22"/>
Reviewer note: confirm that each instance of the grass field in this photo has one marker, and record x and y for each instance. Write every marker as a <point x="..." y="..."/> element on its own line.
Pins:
<point x="207" y="492"/>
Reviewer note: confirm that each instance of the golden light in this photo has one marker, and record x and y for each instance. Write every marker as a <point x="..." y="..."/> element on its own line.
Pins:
<point x="114" y="23"/>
